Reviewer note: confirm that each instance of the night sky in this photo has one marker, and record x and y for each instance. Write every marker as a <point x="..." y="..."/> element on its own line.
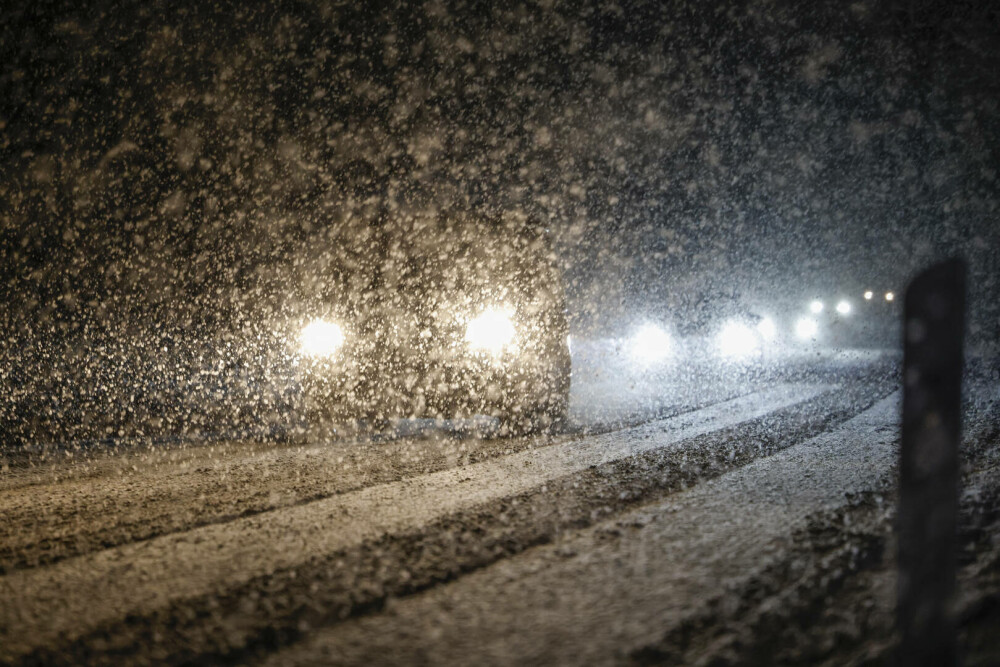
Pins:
<point x="157" y="154"/>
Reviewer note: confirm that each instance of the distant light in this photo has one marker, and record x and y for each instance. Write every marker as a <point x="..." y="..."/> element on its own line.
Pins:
<point x="806" y="328"/>
<point x="889" y="296"/>
<point x="767" y="328"/>
<point x="491" y="331"/>
<point x="737" y="340"/>
<point x="650" y="343"/>
<point x="844" y="308"/>
<point x="321" y="338"/>
<point x="868" y="295"/>
<point x="816" y="307"/>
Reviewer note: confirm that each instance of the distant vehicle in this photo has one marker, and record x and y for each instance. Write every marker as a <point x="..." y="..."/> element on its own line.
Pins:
<point x="437" y="315"/>
<point x="719" y="326"/>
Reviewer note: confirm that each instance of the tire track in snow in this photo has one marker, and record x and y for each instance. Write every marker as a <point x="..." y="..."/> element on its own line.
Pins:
<point x="620" y="585"/>
<point x="76" y="596"/>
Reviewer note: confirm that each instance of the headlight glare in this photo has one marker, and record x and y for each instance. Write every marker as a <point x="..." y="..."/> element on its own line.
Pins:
<point x="492" y="331"/>
<point x="767" y="329"/>
<point x="321" y="338"/>
<point x="737" y="339"/>
<point x="806" y="328"/>
<point x="650" y="343"/>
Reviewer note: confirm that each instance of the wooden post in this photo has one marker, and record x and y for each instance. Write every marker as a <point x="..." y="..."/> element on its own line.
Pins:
<point x="934" y="318"/>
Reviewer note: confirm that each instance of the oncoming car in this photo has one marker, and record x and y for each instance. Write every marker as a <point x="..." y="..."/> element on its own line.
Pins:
<point x="436" y="315"/>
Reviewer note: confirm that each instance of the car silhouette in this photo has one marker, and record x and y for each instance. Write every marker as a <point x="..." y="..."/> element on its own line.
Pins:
<point x="433" y="314"/>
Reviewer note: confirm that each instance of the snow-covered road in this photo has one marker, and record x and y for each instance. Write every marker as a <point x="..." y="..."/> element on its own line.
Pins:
<point x="589" y="546"/>
<point x="597" y="595"/>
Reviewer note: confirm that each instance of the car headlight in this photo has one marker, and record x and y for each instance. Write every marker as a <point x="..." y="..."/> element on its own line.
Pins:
<point x="806" y="328"/>
<point x="767" y="329"/>
<point x="650" y="343"/>
<point x="321" y="338"/>
<point x="491" y="331"/>
<point x="737" y="339"/>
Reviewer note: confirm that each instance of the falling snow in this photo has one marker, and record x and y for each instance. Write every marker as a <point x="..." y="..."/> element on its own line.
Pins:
<point x="287" y="251"/>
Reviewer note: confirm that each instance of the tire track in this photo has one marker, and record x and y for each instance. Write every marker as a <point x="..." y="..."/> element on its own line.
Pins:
<point x="232" y="616"/>
<point x="602" y="591"/>
<point x="79" y="594"/>
<point x="108" y="501"/>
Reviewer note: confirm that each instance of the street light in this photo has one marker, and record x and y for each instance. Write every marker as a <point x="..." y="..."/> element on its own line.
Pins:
<point x="889" y="296"/>
<point x="868" y="295"/>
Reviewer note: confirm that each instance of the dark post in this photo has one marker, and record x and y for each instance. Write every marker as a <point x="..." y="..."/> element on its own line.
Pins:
<point x="934" y="318"/>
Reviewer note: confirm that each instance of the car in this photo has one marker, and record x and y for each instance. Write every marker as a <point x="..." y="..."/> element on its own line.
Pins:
<point x="440" y="314"/>
<point x="719" y="326"/>
<point x="364" y="319"/>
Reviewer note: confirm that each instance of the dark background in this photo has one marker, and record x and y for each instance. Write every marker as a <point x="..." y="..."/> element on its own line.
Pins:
<point x="158" y="159"/>
<point x="766" y="147"/>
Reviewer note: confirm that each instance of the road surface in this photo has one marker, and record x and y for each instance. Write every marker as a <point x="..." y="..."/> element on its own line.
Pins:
<point x="736" y="519"/>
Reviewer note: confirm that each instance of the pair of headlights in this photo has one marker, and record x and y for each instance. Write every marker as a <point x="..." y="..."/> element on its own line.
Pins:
<point x="650" y="343"/>
<point x="739" y="339"/>
<point x="492" y="332"/>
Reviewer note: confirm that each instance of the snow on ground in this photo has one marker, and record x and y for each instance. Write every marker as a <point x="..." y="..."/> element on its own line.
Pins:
<point x="612" y="384"/>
